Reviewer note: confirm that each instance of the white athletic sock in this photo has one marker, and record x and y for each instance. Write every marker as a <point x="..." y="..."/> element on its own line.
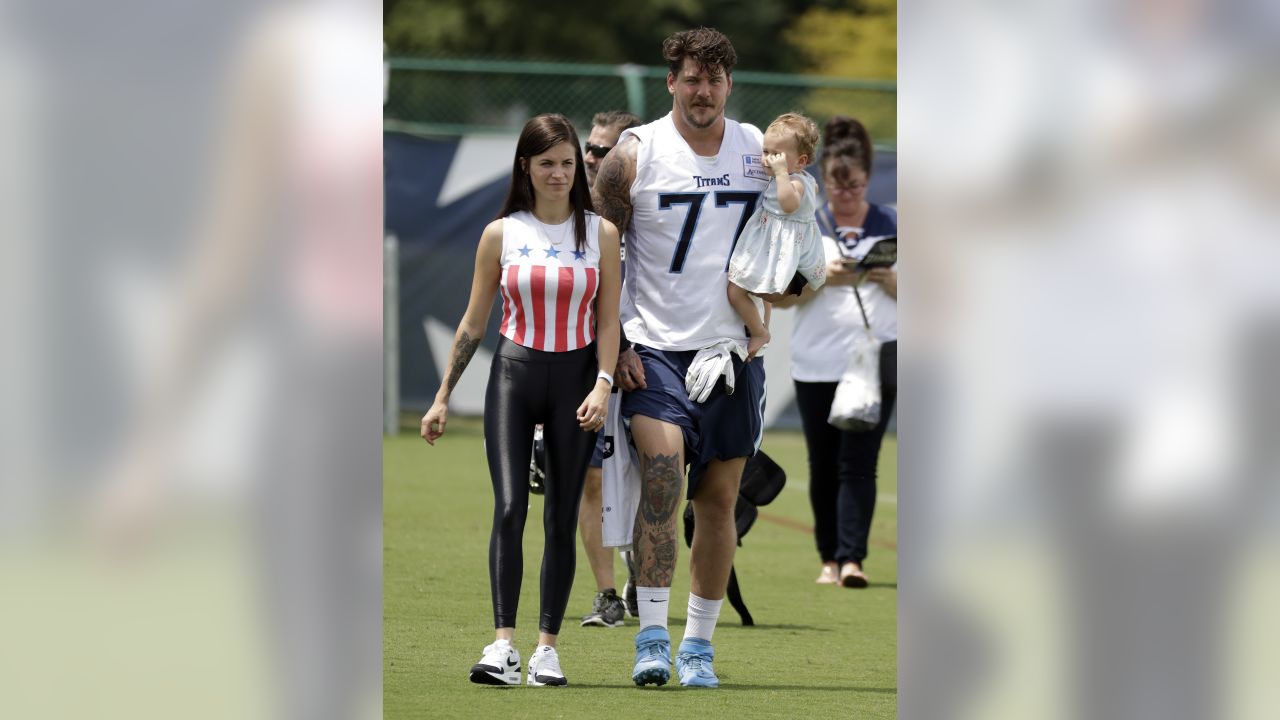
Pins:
<point x="703" y="614"/>
<point x="653" y="602"/>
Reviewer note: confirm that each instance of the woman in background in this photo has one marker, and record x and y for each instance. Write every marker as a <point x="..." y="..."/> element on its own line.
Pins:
<point x="842" y="464"/>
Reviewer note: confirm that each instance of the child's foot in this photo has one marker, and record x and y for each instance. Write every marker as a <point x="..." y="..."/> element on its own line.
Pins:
<point x="756" y="343"/>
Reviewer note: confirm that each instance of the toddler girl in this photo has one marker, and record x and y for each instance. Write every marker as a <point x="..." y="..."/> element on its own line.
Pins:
<point x="780" y="249"/>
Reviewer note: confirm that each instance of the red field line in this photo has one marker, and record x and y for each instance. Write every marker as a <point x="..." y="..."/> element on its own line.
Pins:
<point x="797" y="525"/>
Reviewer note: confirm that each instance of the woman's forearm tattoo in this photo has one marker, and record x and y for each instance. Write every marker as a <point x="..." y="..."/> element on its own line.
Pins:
<point x="463" y="349"/>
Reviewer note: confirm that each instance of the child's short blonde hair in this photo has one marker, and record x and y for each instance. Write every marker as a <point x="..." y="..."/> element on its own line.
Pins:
<point x="801" y="128"/>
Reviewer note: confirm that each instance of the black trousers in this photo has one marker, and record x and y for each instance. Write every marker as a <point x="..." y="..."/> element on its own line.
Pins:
<point x="527" y="387"/>
<point x="842" y="465"/>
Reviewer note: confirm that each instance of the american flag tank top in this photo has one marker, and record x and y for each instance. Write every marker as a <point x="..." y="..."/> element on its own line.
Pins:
<point x="548" y="286"/>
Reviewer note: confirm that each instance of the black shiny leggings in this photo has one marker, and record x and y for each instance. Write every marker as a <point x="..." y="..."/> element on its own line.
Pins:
<point x="527" y="387"/>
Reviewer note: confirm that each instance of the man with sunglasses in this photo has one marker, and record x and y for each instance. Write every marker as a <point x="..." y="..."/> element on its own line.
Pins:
<point x="607" y="610"/>
<point x="606" y="127"/>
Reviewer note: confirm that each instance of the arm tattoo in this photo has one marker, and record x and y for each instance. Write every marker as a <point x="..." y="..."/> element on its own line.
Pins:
<point x="612" y="191"/>
<point x="463" y="349"/>
<point x="655" y="530"/>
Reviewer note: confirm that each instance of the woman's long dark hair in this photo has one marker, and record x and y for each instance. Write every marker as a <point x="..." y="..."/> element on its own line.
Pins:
<point x="846" y="140"/>
<point x="539" y="135"/>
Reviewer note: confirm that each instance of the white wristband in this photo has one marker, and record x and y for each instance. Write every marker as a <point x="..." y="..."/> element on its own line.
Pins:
<point x="606" y="377"/>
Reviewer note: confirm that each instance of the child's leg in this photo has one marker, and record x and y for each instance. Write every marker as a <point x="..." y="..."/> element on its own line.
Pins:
<point x="740" y="299"/>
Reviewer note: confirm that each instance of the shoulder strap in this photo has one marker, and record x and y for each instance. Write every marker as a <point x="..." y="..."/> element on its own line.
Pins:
<point x="827" y="221"/>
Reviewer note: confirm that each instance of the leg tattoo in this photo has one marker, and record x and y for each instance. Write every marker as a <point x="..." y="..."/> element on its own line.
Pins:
<point x="654" y="540"/>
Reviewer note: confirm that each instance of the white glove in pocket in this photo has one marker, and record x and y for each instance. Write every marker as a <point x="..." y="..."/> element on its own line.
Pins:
<point x="708" y="366"/>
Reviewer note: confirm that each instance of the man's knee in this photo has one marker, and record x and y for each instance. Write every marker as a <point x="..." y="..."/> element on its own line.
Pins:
<point x="719" y="484"/>
<point x="656" y="437"/>
<point x="713" y="509"/>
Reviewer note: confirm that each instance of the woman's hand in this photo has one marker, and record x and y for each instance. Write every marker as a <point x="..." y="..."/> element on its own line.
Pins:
<point x="886" y="278"/>
<point x="595" y="409"/>
<point x="434" y="421"/>
<point x="840" y="274"/>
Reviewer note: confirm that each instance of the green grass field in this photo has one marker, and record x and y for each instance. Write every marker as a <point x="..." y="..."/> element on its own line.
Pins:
<point x="816" y="651"/>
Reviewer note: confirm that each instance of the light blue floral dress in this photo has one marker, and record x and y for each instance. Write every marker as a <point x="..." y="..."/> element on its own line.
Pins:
<point x="774" y="245"/>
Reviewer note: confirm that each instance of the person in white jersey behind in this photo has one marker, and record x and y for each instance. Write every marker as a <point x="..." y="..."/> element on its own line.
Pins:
<point x="607" y="608"/>
<point x="680" y="188"/>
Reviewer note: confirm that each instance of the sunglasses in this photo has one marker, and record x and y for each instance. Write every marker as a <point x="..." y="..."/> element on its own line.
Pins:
<point x="598" y="150"/>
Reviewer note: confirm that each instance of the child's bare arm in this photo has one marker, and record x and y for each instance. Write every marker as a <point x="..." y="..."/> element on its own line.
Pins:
<point x="789" y="193"/>
<point x="789" y="190"/>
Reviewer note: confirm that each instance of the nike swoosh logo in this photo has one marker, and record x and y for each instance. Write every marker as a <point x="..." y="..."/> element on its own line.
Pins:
<point x="511" y="663"/>
<point x="653" y="600"/>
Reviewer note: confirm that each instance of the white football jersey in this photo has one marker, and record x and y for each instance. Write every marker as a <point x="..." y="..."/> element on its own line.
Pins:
<point x="687" y="212"/>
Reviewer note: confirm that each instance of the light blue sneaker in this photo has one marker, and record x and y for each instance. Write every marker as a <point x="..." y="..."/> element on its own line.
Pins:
<point x="693" y="663"/>
<point x="653" y="656"/>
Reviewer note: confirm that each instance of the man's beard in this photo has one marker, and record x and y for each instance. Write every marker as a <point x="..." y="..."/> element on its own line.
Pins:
<point x="692" y="119"/>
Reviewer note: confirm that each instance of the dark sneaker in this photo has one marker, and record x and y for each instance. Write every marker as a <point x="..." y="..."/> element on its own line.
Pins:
<point x="606" y="610"/>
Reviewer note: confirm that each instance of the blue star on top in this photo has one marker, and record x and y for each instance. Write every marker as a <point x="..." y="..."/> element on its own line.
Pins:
<point x="579" y="255"/>
<point x="524" y="251"/>
<point x="552" y="252"/>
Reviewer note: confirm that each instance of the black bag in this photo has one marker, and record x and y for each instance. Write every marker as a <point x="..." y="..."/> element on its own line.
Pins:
<point x="762" y="479"/>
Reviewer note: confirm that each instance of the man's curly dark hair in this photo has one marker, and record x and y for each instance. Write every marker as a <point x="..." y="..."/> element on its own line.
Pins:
<point x="707" y="46"/>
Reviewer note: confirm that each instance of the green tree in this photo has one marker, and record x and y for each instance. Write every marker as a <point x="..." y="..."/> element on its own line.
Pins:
<point x="855" y="39"/>
<point x="564" y="31"/>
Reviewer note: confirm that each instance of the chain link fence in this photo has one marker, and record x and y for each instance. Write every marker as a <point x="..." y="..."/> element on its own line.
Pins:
<point x="443" y="97"/>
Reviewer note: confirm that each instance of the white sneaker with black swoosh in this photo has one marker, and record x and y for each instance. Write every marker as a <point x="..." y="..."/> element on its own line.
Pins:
<point x="500" y="665"/>
<point x="544" y="668"/>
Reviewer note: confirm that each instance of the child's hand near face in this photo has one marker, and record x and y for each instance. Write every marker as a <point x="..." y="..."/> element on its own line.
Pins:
<point x="777" y="164"/>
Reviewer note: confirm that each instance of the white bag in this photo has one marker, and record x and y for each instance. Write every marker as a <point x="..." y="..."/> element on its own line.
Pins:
<point x="620" y="486"/>
<point x="856" y="405"/>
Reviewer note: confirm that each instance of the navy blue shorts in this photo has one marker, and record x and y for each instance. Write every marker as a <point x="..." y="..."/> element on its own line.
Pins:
<point x="722" y="428"/>
<point x="597" y="455"/>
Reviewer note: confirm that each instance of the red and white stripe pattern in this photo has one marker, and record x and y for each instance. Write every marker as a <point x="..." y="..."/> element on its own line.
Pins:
<point x="548" y="302"/>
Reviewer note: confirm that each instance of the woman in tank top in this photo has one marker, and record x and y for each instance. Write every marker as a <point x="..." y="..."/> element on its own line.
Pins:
<point x="555" y="263"/>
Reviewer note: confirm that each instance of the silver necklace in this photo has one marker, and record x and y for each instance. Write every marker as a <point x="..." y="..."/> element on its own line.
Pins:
<point x="565" y="228"/>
